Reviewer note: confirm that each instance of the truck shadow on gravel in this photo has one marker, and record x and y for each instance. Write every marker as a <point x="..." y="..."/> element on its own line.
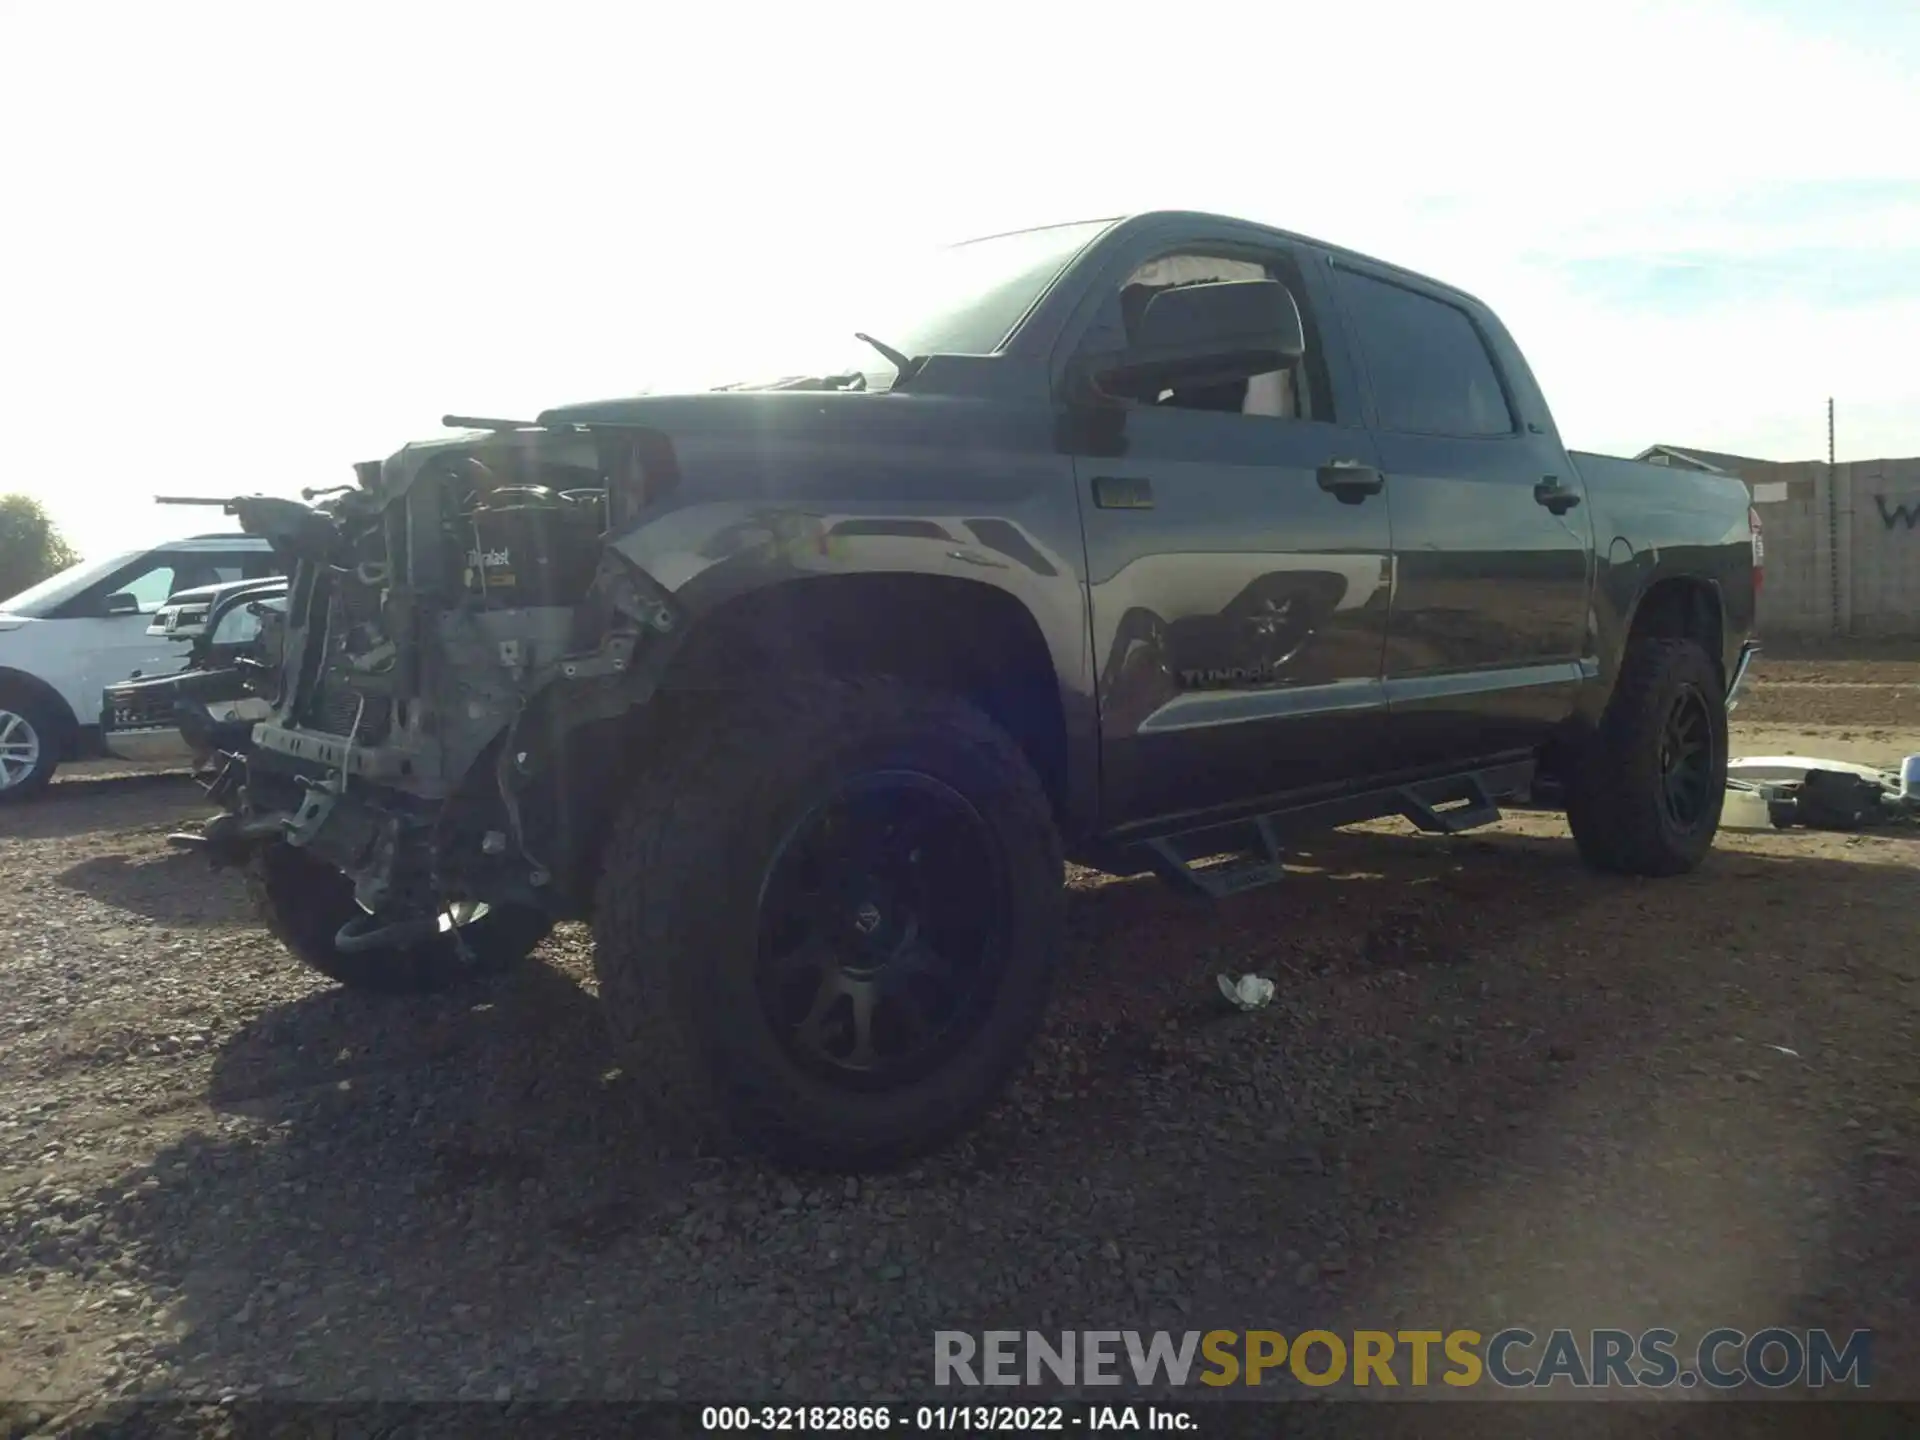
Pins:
<point x="455" y="1197"/>
<point x="173" y="887"/>
<point x="112" y="805"/>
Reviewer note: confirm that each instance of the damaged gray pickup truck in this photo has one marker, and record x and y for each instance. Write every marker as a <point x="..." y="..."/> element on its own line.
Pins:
<point x="1148" y="544"/>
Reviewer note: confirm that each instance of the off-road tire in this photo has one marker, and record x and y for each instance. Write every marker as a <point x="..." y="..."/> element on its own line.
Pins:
<point x="47" y="729"/>
<point x="304" y="902"/>
<point x="676" y="927"/>
<point x="1613" y="796"/>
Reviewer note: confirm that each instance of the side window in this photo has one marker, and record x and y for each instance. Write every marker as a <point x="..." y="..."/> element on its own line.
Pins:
<point x="160" y="577"/>
<point x="259" y="567"/>
<point x="149" y="586"/>
<point x="1430" y="368"/>
<point x="1300" y="392"/>
<point x="190" y="572"/>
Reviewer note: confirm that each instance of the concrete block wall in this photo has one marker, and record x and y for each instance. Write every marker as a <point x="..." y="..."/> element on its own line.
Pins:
<point x="1797" y="596"/>
<point x="1881" y="562"/>
<point x="1860" y="576"/>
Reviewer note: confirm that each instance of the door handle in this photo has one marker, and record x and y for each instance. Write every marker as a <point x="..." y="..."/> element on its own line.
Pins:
<point x="1349" y="481"/>
<point x="1123" y="492"/>
<point x="1555" y="496"/>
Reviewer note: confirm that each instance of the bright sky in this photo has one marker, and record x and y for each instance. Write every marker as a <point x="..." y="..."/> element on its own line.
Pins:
<point x="247" y="245"/>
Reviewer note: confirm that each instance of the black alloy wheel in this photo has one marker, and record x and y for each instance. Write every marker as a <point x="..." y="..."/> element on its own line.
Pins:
<point x="1686" y="759"/>
<point x="883" y="925"/>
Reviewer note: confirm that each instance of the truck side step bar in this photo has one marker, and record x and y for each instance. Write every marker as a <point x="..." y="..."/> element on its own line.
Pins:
<point x="1472" y="804"/>
<point x="1253" y="865"/>
<point x="1441" y="805"/>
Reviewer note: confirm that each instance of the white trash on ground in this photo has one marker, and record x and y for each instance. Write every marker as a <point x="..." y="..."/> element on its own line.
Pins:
<point x="1746" y="809"/>
<point x="1249" y="992"/>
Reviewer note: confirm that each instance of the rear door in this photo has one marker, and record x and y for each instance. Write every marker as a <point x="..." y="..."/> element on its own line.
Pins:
<point x="1238" y="553"/>
<point x="1489" y="635"/>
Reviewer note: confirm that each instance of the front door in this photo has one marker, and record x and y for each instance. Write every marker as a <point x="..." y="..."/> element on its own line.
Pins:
<point x="1238" y="555"/>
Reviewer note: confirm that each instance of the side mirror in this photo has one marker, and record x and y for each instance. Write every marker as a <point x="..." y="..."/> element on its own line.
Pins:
<point x="123" y="603"/>
<point x="1209" y="334"/>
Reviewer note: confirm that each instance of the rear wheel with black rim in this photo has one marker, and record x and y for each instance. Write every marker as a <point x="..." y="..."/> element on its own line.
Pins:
<point x="1646" y="796"/>
<point x="827" y="922"/>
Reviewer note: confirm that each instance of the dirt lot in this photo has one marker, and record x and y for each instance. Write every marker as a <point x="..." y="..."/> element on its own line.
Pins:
<point x="1494" y="1089"/>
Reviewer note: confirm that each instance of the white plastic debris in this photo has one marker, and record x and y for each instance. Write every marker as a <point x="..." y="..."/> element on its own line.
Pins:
<point x="1779" y="769"/>
<point x="1778" y="791"/>
<point x="1746" y="808"/>
<point x="1249" y="992"/>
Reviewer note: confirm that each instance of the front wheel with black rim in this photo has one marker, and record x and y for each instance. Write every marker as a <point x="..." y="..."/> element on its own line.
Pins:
<point x="29" y="746"/>
<point x="305" y="903"/>
<point x="827" y="921"/>
<point x="1645" y="797"/>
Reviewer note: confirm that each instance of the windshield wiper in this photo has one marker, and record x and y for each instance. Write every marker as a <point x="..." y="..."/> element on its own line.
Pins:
<point x="852" y="380"/>
<point x="900" y="359"/>
<point x="905" y="364"/>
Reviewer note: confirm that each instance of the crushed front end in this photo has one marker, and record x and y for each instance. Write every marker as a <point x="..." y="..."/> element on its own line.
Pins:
<point x="453" y="621"/>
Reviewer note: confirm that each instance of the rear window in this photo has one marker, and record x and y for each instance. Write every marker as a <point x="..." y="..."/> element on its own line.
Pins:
<point x="1429" y="366"/>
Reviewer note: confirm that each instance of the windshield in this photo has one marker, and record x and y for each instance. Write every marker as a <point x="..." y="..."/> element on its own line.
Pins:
<point x="38" y="600"/>
<point x="962" y="300"/>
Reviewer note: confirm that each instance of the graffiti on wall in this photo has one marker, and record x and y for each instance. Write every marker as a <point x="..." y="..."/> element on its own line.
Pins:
<point x="1902" y="512"/>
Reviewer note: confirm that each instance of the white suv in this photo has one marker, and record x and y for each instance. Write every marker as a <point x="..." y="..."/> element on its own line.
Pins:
<point x="66" y="639"/>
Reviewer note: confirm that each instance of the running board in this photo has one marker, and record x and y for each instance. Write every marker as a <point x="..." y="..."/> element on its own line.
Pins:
<point x="1445" y="805"/>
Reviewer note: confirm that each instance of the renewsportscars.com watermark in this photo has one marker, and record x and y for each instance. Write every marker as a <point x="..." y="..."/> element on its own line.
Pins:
<point x="1514" y="1358"/>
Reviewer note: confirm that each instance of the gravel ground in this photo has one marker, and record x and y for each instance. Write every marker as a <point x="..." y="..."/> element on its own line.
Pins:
<point x="1494" y="1089"/>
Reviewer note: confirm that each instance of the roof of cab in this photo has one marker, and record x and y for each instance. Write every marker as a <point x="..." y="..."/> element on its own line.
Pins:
<point x="1147" y="219"/>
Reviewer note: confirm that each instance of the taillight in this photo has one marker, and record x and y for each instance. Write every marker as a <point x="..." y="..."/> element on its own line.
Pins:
<point x="1759" y="547"/>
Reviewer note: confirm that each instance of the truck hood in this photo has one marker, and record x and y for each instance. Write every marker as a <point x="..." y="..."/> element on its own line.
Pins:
<point x="712" y="411"/>
<point x="565" y="434"/>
